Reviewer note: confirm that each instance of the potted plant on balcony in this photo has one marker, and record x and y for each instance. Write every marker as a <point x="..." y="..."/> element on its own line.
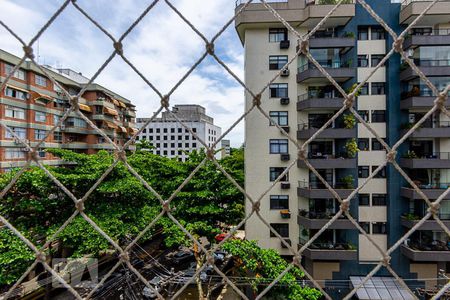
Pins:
<point x="285" y="214"/>
<point x="352" y="148"/>
<point x="349" y="121"/>
<point x="349" y="34"/>
<point x="410" y="154"/>
<point x="348" y="182"/>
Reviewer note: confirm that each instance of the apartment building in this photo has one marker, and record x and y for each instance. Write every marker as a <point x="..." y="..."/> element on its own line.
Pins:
<point x="171" y="139"/>
<point x="348" y="45"/>
<point x="31" y="105"/>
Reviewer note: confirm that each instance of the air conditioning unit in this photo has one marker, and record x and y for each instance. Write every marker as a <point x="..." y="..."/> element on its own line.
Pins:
<point x="285" y="157"/>
<point x="284" y="101"/>
<point x="285" y="185"/>
<point x="285" y="44"/>
<point x="285" y="73"/>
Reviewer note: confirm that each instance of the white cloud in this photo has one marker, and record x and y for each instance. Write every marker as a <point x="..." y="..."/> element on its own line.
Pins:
<point x="162" y="47"/>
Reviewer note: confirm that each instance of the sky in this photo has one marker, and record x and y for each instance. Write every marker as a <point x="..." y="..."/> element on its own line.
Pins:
<point x="162" y="47"/>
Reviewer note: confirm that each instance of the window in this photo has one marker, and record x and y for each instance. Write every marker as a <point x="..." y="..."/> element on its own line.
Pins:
<point x="281" y="228"/>
<point x="172" y="130"/>
<point x="364" y="114"/>
<point x="194" y="145"/>
<point x="15" y="112"/>
<point x="364" y="200"/>
<point x="378" y="88"/>
<point x="277" y="62"/>
<point x="40" y="116"/>
<point x="165" y="138"/>
<point x="165" y="152"/>
<point x="277" y="35"/>
<point x="57" y="136"/>
<point x="158" y="130"/>
<point x="19" y="131"/>
<point x="363" y="33"/>
<point x="279" y="202"/>
<point x="165" y="145"/>
<point x="14" y="153"/>
<point x="276" y="172"/>
<point x="278" y="90"/>
<point x="377" y="33"/>
<point x="19" y="74"/>
<point x="56" y="119"/>
<point x="172" y="145"/>
<point x="379" y="228"/>
<point x="180" y="130"/>
<point x="363" y="61"/>
<point x="378" y="199"/>
<point x="15" y="94"/>
<point x="378" y="116"/>
<point x="194" y="129"/>
<point x="172" y="152"/>
<point x="363" y="171"/>
<point x="375" y="59"/>
<point x="180" y="145"/>
<point x="278" y="146"/>
<point x="41" y="153"/>
<point x="39" y="134"/>
<point x="186" y="145"/>
<point x="165" y="130"/>
<point x="40" y="80"/>
<point x="363" y="144"/>
<point x="279" y="117"/>
<point x="150" y="130"/>
<point x="365" y="226"/>
<point x="186" y="137"/>
<point x="364" y="89"/>
<point x="76" y="122"/>
<point x="158" y="137"/>
<point x="376" y="145"/>
<point x="381" y="174"/>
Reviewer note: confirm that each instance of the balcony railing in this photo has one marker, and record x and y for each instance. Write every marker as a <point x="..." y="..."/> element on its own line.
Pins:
<point x="426" y="155"/>
<point x="332" y="246"/>
<point x="428" y="124"/>
<point x="435" y="245"/>
<point x="319" y="95"/>
<point x="319" y="214"/>
<point x="431" y="186"/>
<point x="330" y="64"/>
<point x="407" y="2"/>
<point x="327" y="2"/>
<point x="432" y="62"/>
<point x="431" y="32"/>
<point x="414" y="216"/>
<point x="239" y="2"/>
<point x="319" y="185"/>
<point x="318" y="125"/>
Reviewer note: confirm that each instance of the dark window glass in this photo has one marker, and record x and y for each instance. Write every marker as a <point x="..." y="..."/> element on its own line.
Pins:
<point x="377" y="33"/>
<point x="281" y="228"/>
<point x="180" y="130"/>
<point x="172" y="145"/>
<point x="180" y="145"/>
<point x="363" y="171"/>
<point x="145" y="130"/>
<point x="375" y="59"/>
<point x="278" y="90"/>
<point x="172" y="152"/>
<point x="381" y="174"/>
<point x="277" y="62"/>
<point x="278" y="146"/>
<point x="158" y="130"/>
<point x="172" y="130"/>
<point x="363" y="33"/>
<point x="365" y="226"/>
<point x="378" y="199"/>
<point x="378" y="88"/>
<point x="165" y="130"/>
<point x="279" y="117"/>
<point x="376" y="145"/>
<point x="364" y="114"/>
<point x="364" y="89"/>
<point x="194" y="145"/>
<point x="279" y="202"/>
<point x="150" y="130"/>
<point x="364" y="200"/>
<point x="363" y="144"/>
<point x="276" y="172"/>
<point x="363" y="61"/>
<point x="378" y="116"/>
<point x="277" y="35"/>
<point x="379" y="228"/>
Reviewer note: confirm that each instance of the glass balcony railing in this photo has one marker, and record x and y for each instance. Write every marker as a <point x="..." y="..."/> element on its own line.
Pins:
<point x="330" y="64"/>
<point x="422" y="245"/>
<point x="415" y="216"/>
<point x="239" y="2"/>
<point x="320" y="186"/>
<point x="423" y="32"/>
<point x="426" y="155"/>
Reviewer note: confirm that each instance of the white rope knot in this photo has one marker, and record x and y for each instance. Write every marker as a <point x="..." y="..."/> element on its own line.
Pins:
<point x="210" y="259"/>
<point x="28" y="52"/>
<point x="256" y="206"/>
<point x="348" y="102"/>
<point x="80" y="206"/>
<point x="121" y="154"/>
<point x="345" y="205"/>
<point x="257" y="100"/>
<point x="166" y="207"/>
<point x="124" y="257"/>
<point x="434" y="208"/>
<point x="210" y="154"/>
<point x="74" y="102"/>
<point x="297" y="260"/>
<point x="41" y="257"/>
<point x="390" y="156"/>
<point x="165" y="101"/>
<point x="398" y="45"/>
<point x="440" y="100"/>
<point x="210" y="48"/>
<point x="32" y="155"/>
<point x="302" y="154"/>
<point x="386" y="261"/>
<point x="118" y="47"/>
<point x="304" y="47"/>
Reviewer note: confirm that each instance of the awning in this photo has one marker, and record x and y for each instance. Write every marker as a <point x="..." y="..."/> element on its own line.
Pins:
<point x="122" y="104"/>
<point x="18" y="88"/>
<point x="380" y="288"/>
<point x="116" y="103"/>
<point x="123" y="129"/>
<point x="85" y="107"/>
<point x="111" y="125"/>
<point x="110" y="111"/>
<point x="36" y="95"/>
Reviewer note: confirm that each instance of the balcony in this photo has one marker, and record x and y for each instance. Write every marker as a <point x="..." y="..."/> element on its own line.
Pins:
<point x="435" y="160"/>
<point x="341" y="71"/>
<point x="429" y="129"/>
<point x="309" y="101"/>
<point x="318" y="219"/>
<point x="319" y="191"/>
<point x="417" y="250"/>
<point x="435" y="37"/>
<point x="419" y="97"/>
<point x="409" y="220"/>
<point x="411" y="9"/>
<point x="330" y="251"/>
<point x="432" y="191"/>
<point x="305" y="131"/>
<point x="328" y="161"/>
<point x="430" y="67"/>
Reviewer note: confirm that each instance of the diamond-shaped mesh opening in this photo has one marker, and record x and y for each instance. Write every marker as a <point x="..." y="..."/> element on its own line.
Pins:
<point x="75" y="196"/>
